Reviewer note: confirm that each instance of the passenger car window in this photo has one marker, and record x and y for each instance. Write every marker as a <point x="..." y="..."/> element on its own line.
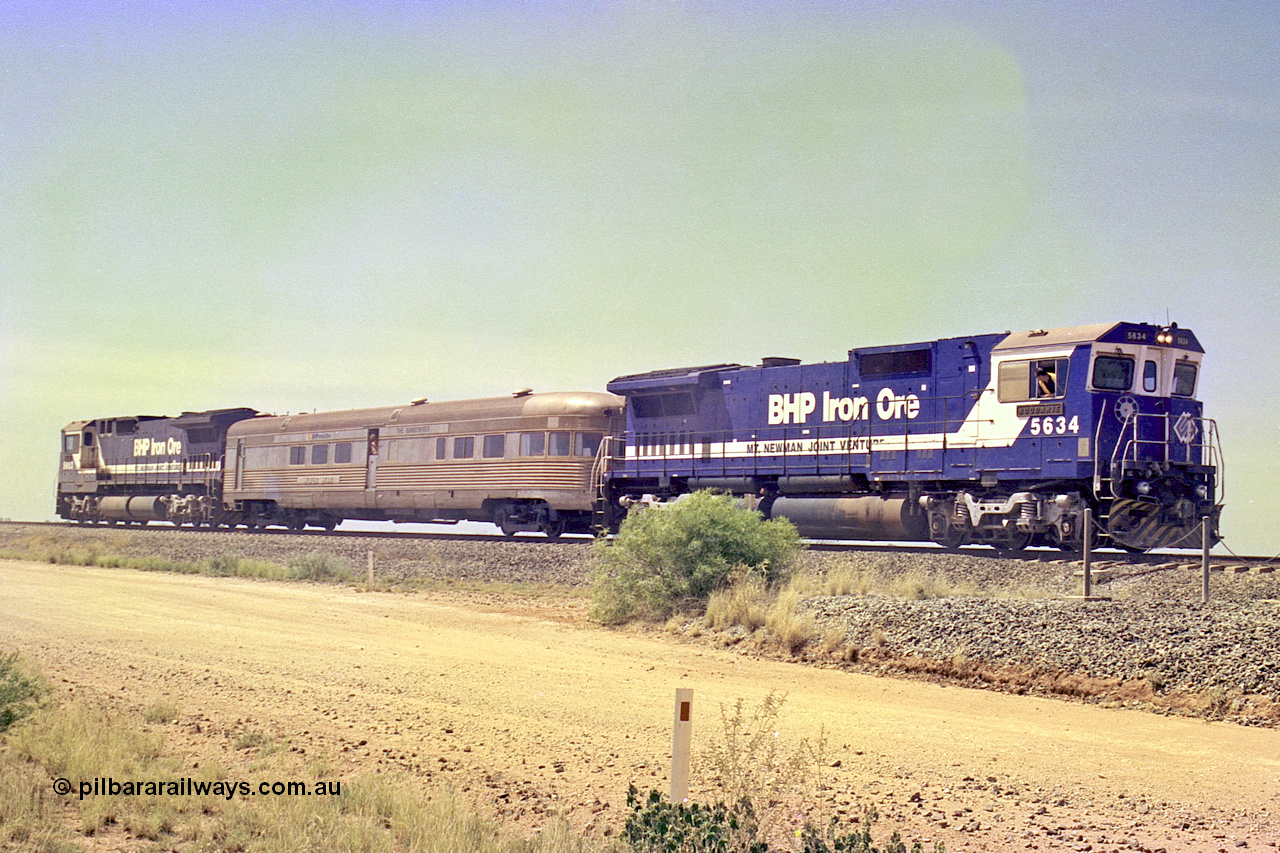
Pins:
<point x="494" y="446"/>
<point x="464" y="447"/>
<point x="297" y="455"/>
<point x="532" y="443"/>
<point x="320" y="454"/>
<point x="1184" y="379"/>
<point x="1112" y="373"/>
<point x="342" y="452"/>
<point x="561" y="444"/>
<point x="587" y="443"/>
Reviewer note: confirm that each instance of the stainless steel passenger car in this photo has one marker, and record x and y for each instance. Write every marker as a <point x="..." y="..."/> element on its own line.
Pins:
<point x="527" y="462"/>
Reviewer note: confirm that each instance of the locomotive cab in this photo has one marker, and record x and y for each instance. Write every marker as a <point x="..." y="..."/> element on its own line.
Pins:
<point x="1155" y="473"/>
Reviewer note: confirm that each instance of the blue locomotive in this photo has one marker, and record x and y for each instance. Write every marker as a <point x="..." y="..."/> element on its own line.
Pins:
<point x="1002" y="439"/>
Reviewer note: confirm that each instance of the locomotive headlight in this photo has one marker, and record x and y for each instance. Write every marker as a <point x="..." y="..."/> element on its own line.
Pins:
<point x="1144" y="488"/>
<point x="1202" y="492"/>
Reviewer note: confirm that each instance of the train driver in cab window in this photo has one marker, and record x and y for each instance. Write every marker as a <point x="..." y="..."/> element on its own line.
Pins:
<point x="1046" y="381"/>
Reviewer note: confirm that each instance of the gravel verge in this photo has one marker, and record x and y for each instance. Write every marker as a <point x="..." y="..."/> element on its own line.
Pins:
<point x="998" y="622"/>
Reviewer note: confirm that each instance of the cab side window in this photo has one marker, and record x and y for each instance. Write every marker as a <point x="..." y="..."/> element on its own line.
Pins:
<point x="1112" y="373"/>
<point x="1184" y="379"/>
<point x="1037" y="379"/>
<point x="1150" y="377"/>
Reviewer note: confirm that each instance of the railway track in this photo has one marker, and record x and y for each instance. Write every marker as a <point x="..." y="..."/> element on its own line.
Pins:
<point x="1155" y="559"/>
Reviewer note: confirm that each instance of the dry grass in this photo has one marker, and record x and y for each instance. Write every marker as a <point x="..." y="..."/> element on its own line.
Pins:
<point x="845" y="580"/>
<point x="770" y="616"/>
<point x="752" y="760"/>
<point x="919" y="586"/>
<point x="82" y="741"/>
<point x="790" y="628"/>
<point x="745" y="603"/>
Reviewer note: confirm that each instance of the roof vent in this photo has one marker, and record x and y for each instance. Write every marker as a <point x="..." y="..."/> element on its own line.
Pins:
<point x="778" y="361"/>
<point x="418" y="402"/>
<point x="522" y="392"/>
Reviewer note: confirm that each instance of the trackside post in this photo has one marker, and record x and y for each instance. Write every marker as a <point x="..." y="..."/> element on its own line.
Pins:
<point x="681" y="744"/>
<point x="1088" y="553"/>
<point x="1086" y="573"/>
<point x="1205" y="545"/>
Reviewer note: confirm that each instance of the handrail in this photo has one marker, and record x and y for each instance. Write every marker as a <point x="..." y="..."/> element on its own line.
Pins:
<point x="1206" y="445"/>
<point x="600" y="465"/>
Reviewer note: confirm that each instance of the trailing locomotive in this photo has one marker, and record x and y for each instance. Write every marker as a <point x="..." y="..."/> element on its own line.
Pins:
<point x="145" y="468"/>
<point x="1002" y="439"/>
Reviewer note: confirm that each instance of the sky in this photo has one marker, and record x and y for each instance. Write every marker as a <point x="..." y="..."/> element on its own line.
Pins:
<point x="299" y="206"/>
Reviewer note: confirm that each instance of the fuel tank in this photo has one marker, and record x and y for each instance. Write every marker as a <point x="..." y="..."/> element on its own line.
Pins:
<point x="888" y="518"/>
<point x="135" y="508"/>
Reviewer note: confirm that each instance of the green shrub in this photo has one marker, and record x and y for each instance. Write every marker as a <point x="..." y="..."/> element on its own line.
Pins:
<point x="318" y="566"/>
<point x="833" y="840"/>
<point x="222" y="566"/>
<point x="20" y="689"/>
<point x="657" y="825"/>
<point x="667" y="556"/>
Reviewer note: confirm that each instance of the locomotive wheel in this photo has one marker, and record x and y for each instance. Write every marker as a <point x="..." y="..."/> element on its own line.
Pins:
<point x="945" y="533"/>
<point x="553" y="529"/>
<point x="1013" y="540"/>
<point x="1068" y="544"/>
<point x="1073" y="540"/>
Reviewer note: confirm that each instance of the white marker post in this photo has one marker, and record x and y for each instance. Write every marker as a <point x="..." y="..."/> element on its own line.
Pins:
<point x="681" y="744"/>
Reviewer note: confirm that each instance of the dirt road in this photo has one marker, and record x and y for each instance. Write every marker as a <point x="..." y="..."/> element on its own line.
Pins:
<point x="532" y="709"/>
